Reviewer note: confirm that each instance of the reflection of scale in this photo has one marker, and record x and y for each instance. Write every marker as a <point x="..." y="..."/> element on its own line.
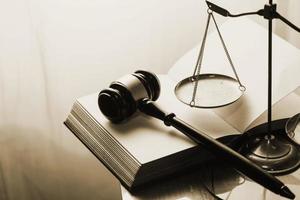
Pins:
<point x="267" y="144"/>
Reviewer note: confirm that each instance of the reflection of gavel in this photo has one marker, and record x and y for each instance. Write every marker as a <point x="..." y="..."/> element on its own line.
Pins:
<point x="139" y="90"/>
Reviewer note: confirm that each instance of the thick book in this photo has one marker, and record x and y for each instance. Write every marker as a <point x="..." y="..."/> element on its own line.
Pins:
<point x="144" y="149"/>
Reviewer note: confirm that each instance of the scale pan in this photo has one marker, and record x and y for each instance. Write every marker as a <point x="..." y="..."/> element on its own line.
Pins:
<point x="213" y="90"/>
<point x="292" y="128"/>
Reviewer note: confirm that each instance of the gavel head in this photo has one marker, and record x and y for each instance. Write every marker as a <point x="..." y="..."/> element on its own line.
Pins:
<point x="120" y="100"/>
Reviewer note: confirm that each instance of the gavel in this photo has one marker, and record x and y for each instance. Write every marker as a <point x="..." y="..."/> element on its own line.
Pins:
<point x="139" y="90"/>
<point x="126" y="95"/>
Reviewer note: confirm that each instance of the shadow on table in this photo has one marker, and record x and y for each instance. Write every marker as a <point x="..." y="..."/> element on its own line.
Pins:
<point x="203" y="182"/>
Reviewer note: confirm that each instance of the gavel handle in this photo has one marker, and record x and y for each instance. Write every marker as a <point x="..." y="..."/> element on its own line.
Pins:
<point x="221" y="151"/>
<point x="217" y="148"/>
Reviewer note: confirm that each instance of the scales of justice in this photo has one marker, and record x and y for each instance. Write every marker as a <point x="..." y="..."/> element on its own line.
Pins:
<point x="271" y="145"/>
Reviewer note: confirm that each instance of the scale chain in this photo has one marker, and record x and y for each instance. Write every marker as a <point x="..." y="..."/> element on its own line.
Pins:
<point x="197" y="69"/>
<point x="196" y="73"/>
<point x="242" y="87"/>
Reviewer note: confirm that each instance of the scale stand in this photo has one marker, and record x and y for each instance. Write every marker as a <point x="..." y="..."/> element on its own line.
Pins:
<point x="268" y="144"/>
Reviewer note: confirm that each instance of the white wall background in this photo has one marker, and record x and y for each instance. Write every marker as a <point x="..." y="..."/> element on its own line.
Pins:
<point x="115" y="34"/>
<point x="290" y="10"/>
<point x="133" y="33"/>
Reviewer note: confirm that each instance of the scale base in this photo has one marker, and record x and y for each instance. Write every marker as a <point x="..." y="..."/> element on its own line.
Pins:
<point x="274" y="152"/>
